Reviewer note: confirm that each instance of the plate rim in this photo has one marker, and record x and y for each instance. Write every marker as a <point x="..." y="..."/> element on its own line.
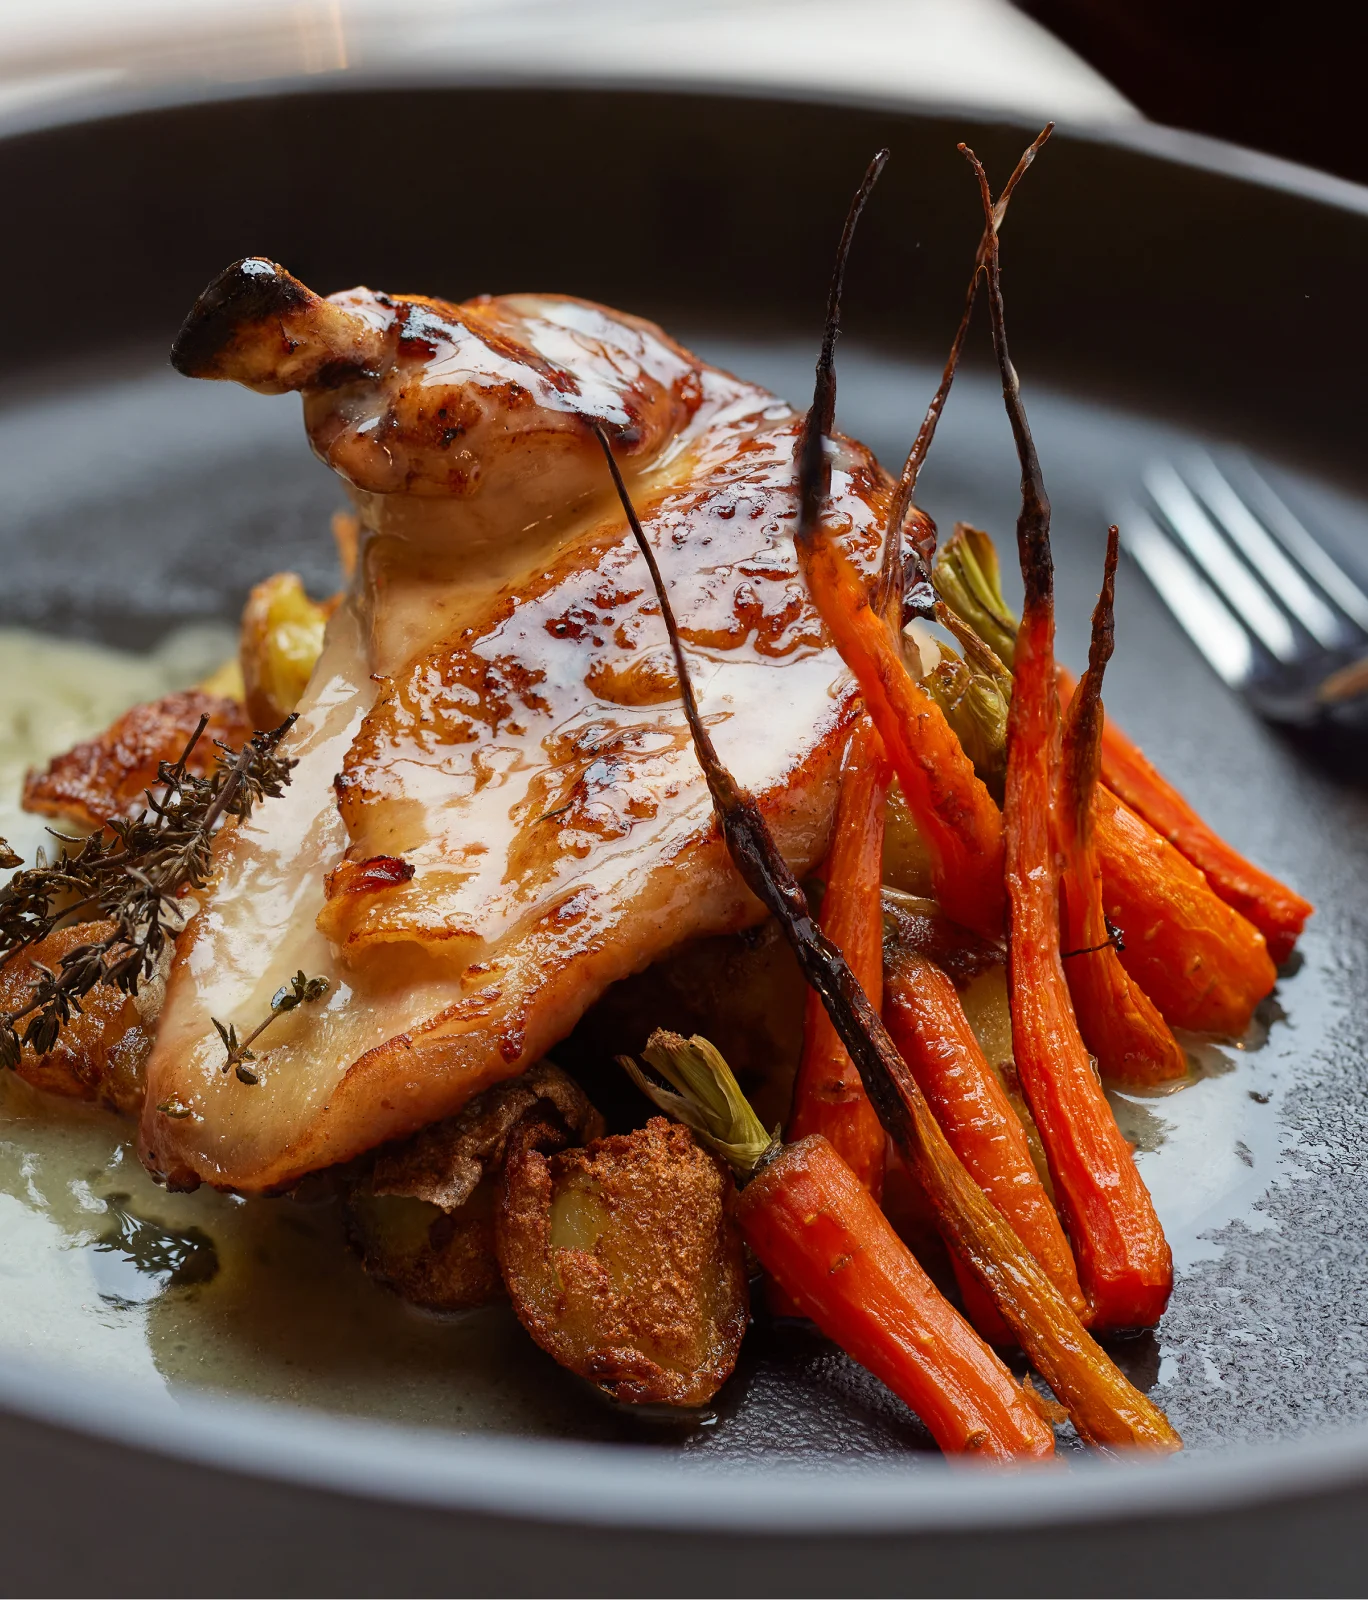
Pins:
<point x="617" y="1485"/>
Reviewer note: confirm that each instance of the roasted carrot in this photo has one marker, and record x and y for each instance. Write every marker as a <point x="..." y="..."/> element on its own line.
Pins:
<point x="820" y="1235"/>
<point x="954" y="811"/>
<point x="828" y="1097"/>
<point x="1119" y="1023"/>
<point x="1104" y="1407"/>
<point x="1201" y="963"/>
<point x="933" y="1036"/>
<point x="966" y="580"/>
<point x="1279" y="913"/>
<point x="957" y="816"/>
<point x="817" y="1231"/>
<point x="1124" y="1262"/>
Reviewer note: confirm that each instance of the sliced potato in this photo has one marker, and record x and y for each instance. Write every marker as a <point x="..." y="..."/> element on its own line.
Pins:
<point x="622" y="1262"/>
<point x="423" y="1215"/>
<point x="442" y="1260"/>
<point x="280" y="642"/>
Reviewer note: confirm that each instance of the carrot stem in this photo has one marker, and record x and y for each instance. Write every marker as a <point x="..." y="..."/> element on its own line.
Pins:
<point x="1124" y="1261"/>
<point x="1119" y="1023"/>
<point x="818" y="1232"/>
<point x="828" y="1097"/>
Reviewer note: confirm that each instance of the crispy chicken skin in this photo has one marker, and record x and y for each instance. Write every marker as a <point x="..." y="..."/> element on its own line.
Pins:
<point x="497" y="811"/>
<point x="99" y="1054"/>
<point x="109" y="776"/>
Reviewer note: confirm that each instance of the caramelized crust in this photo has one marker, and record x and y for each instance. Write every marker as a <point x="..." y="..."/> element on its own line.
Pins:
<point x="497" y="812"/>
<point x="108" y="776"/>
<point x="100" y="1053"/>
<point x="622" y="1263"/>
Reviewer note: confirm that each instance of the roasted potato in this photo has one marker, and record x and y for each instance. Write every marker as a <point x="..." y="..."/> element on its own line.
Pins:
<point x="622" y="1262"/>
<point x="99" y="1054"/>
<point x="108" y="776"/>
<point x="281" y="640"/>
<point x="422" y="1217"/>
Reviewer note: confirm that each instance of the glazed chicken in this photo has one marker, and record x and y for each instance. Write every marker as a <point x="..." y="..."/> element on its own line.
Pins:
<point x="497" y="811"/>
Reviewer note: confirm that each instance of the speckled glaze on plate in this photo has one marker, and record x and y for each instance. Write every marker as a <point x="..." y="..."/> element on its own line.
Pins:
<point x="1153" y="305"/>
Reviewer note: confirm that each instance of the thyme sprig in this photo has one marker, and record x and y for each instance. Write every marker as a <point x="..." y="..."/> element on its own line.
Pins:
<point x="130" y="874"/>
<point x="298" y="991"/>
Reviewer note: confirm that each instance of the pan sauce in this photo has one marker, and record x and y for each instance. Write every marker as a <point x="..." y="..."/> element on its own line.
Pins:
<point x="106" y="1273"/>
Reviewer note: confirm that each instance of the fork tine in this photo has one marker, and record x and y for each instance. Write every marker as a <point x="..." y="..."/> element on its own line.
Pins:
<point x="1264" y="554"/>
<point x="1194" y="604"/>
<point x="1241" y="590"/>
<point x="1303" y="547"/>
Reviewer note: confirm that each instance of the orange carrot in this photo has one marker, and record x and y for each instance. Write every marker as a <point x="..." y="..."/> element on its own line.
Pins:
<point x="828" y="1097"/>
<point x="1123" y="1258"/>
<point x="817" y="1231"/>
<point x="967" y="580"/>
<point x="933" y="1036"/>
<point x="1118" y="1021"/>
<point x="954" y="811"/>
<point x="1201" y="963"/>
<point x="820" y="1235"/>
<point x="1124" y="1262"/>
<point x="1104" y="1407"/>
<point x="1279" y="913"/>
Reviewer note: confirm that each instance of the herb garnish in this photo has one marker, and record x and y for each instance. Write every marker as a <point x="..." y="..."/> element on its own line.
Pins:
<point x="298" y="991"/>
<point x="129" y="874"/>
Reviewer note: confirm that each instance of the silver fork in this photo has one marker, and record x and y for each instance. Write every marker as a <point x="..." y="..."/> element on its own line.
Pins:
<point x="1277" y="617"/>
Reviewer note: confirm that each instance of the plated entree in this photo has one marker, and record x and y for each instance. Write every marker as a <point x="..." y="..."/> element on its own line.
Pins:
<point x="641" y="675"/>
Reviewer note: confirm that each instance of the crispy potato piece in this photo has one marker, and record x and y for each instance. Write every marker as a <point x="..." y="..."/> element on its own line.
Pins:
<point x="622" y="1262"/>
<point x="423" y="1216"/>
<point x="108" y="776"/>
<point x="441" y="1260"/>
<point x="281" y="639"/>
<point x="99" y="1055"/>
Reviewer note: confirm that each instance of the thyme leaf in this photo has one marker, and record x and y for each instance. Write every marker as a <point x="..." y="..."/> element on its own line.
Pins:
<point x="129" y="876"/>
<point x="299" y="991"/>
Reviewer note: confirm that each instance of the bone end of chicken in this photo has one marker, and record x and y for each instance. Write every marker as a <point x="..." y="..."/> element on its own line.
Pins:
<point x="497" y="811"/>
<point x="258" y="325"/>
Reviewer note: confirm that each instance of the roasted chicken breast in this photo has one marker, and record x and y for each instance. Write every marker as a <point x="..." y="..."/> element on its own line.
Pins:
<point x="497" y="811"/>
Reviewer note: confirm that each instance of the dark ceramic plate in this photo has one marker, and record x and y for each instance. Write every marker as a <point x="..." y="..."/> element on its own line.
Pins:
<point x="1161" y="294"/>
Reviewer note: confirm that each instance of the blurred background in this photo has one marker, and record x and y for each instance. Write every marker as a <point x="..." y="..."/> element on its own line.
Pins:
<point x="971" y="54"/>
<point x="1220" y="67"/>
